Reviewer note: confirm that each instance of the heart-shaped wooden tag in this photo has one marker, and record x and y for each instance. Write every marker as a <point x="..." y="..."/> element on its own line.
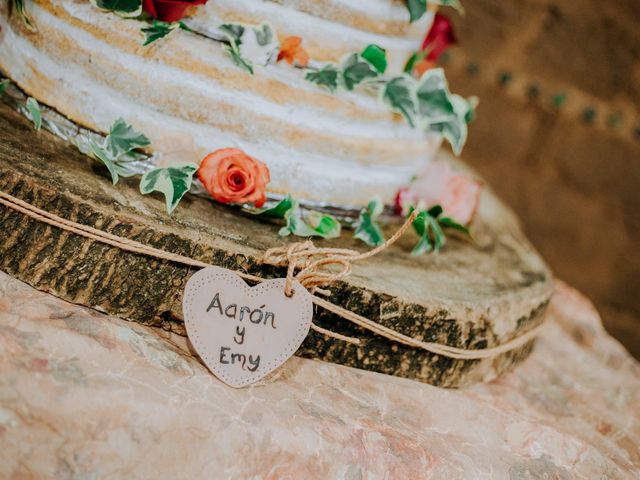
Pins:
<point x="243" y="333"/>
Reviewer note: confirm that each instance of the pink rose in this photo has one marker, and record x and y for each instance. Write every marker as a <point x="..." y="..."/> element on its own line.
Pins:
<point x="457" y="193"/>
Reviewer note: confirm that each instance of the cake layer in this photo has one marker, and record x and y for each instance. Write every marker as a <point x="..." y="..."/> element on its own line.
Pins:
<point x="330" y="29"/>
<point x="189" y="98"/>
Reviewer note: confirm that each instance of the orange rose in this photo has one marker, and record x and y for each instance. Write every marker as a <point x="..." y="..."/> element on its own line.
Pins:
<point x="292" y="52"/>
<point x="232" y="176"/>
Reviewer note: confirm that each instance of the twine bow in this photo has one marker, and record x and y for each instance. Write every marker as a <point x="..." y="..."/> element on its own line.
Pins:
<point x="314" y="264"/>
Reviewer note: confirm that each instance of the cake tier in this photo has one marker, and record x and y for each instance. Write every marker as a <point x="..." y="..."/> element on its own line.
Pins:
<point x="331" y="29"/>
<point x="189" y="98"/>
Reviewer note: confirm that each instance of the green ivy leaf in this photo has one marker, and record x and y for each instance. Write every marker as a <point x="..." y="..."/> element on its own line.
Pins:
<point x="326" y="77"/>
<point x="366" y="227"/>
<point x="433" y="96"/>
<point x="376" y="56"/>
<point x="172" y="182"/>
<point x="441" y="111"/>
<point x="123" y="138"/>
<point x="264" y="34"/>
<point x="325" y="226"/>
<point x="398" y="93"/>
<point x="355" y="70"/>
<point x="249" y="46"/>
<point x="470" y="115"/>
<point x="116" y="149"/>
<point x="416" y="8"/>
<point x="447" y="222"/>
<point x="278" y="211"/>
<point x="3" y="85"/>
<point x="17" y="6"/>
<point x="100" y="153"/>
<point x="232" y="31"/>
<point x="259" y="45"/>
<point x="234" y="34"/>
<point x="234" y="53"/>
<point x="35" y="114"/>
<point x="124" y="8"/>
<point x="435" y="211"/>
<point x="158" y="30"/>
<point x="431" y="236"/>
<point x="316" y="224"/>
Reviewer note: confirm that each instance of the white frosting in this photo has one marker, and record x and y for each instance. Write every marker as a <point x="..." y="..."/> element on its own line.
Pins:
<point x="326" y="39"/>
<point x="341" y="149"/>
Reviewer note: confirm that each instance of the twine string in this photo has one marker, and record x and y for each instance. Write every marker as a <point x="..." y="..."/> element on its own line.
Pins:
<point x="315" y="268"/>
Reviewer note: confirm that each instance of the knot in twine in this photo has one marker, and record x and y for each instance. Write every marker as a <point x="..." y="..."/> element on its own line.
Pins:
<point x="314" y="264"/>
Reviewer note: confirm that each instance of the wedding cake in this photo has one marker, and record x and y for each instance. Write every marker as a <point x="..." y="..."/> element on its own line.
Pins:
<point x="313" y="89"/>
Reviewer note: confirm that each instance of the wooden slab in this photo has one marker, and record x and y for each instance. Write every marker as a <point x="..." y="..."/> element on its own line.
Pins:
<point x="468" y="296"/>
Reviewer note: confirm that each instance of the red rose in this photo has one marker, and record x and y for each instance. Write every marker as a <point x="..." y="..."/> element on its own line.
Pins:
<point x="232" y="176"/>
<point x="169" y="10"/>
<point x="440" y="36"/>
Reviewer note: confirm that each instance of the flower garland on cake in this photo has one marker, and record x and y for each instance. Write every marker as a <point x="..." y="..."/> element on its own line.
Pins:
<point x="445" y="199"/>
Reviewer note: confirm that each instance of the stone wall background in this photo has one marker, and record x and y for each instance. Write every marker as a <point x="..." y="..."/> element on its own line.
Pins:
<point x="558" y="135"/>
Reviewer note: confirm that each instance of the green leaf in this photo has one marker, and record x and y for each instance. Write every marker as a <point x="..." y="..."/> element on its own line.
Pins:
<point x="366" y="227"/>
<point x="35" y="114"/>
<point x="316" y="224"/>
<point x="100" y="153"/>
<point x="278" y="211"/>
<point x="234" y="53"/>
<point x="398" y="93"/>
<point x="416" y="8"/>
<point x="355" y="70"/>
<point x="325" y="226"/>
<point x="172" y="182"/>
<point x="376" y="56"/>
<point x="326" y="77"/>
<point x="249" y="46"/>
<point x="433" y="96"/>
<point x="259" y="45"/>
<point x="438" y="235"/>
<point x="470" y="115"/>
<point x="447" y="222"/>
<point x="264" y="34"/>
<point x="123" y="138"/>
<point x="124" y="8"/>
<point x="441" y="111"/>
<point x="17" y="6"/>
<point x="158" y="30"/>
<point x="431" y="236"/>
<point x="232" y="31"/>
<point x="116" y="149"/>
<point x="3" y="85"/>
<point x="435" y="211"/>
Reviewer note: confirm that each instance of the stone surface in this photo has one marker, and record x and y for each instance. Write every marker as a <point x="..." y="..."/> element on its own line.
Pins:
<point x="470" y="295"/>
<point x="85" y="395"/>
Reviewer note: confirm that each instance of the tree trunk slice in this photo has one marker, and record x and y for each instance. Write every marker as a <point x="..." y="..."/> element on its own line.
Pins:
<point x="469" y="295"/>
